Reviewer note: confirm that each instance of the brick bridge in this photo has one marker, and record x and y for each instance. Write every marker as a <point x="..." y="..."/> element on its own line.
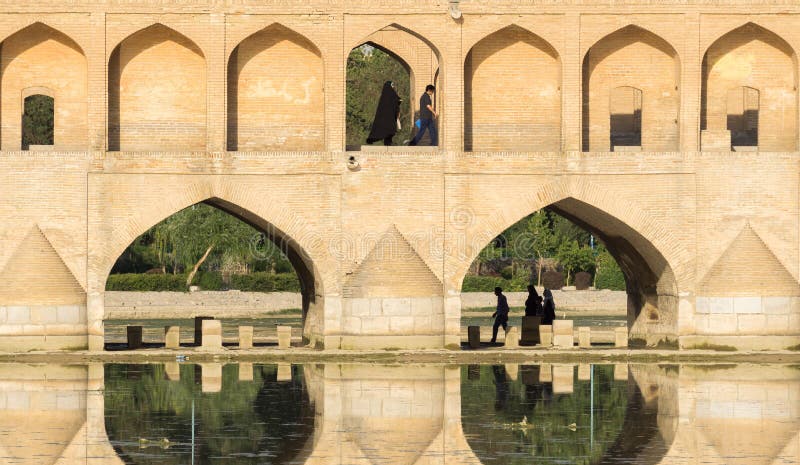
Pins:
<point x="668" y="130"/>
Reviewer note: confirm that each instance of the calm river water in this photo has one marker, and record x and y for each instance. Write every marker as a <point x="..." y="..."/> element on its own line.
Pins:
<point x="182" y="413"/>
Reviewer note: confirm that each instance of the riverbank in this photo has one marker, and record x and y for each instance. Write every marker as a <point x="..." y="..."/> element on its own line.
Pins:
<point x="487" y="355"/>
<point x="236" y="304"/>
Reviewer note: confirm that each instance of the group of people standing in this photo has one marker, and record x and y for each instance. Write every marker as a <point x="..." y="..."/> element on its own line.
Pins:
<point x="387" y="116"/>
<point x="535" y="305"/>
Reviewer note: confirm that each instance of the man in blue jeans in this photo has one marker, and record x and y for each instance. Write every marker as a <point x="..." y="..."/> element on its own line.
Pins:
<point x="426" y="116"/>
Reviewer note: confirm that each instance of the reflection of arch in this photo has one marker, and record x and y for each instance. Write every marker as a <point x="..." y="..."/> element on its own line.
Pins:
<point x="531" y="113"/>
<point x="163" y="106"/>
<point x="276" y="92"/>
<point x="752" y="56"/>
<point x="632" y="57"/>
<point x="41" y="57"/>
<point x="652" y="259"/>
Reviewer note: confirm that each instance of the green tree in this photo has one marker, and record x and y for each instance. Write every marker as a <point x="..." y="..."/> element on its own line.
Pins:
<point x="367" y="69"/>
<point x="37" y="121"/>
<point x="608" y="274"/>
<point x="574" y="258"/>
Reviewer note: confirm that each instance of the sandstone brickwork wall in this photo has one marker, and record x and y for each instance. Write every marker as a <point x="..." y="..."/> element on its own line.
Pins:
<point x="149" y="95"/>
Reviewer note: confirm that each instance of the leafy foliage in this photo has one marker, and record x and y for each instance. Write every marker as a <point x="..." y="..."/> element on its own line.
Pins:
<point x="367" y="69"/>
<point x="38" y="121"/>
<point x="259" y="281"/>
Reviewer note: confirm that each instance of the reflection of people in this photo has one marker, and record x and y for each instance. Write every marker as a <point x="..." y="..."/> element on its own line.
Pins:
<point x="384" y="126"/>
<point x="501" y="387"/>
<point x="501" y="314"/>
<point x="549" y="308"/>
<point x="426" y="116"/>
<point x="533" y="304"/>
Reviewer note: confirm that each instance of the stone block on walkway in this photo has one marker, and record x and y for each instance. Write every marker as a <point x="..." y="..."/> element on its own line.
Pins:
<point x="172" y="337"/>
<point x="284" y="337"/>
<point x="584" y="337"/>
<point x="512" y="338"/>
<point x="245" y="337"/>
<point x="211" y="334"/>
<point x="198" y="328"/>
<point x="546" y="335"/>
<point x="530" y="330"/>
<point x="474" y="337"/>
<point x="134" y="337"/>
<point x="621" y="336"/>
<point x="563" y="334"/>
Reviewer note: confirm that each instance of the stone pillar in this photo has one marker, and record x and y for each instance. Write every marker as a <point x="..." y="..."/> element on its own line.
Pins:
<point x="474" y="337"/>
<point x="691" y="84"/>
<point x="571" y="84"/>
<point x="335" y="87"/>
<point x="546" y="335"/>
<point x="94" y="315"/>
<point x="216" y="90"/>
<point x="530" y="330"/>
<point x="245" y="337"/>
<point x="584" y="337"/>
<point x="284" y="337"/>
<point x="451" y="74"/>
<point x="621" y="336"/>
<point x="97" y="84"/>
<point x="172" y="337"/>
<point x="134" y="334"/>
<point x="212" y="334"/>
<point x="198" y="328"/>
<point x="563" y="334"/>
<point x="512" y="338"/>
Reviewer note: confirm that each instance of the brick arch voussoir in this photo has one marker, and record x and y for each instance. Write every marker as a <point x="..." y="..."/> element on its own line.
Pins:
<point x="742" y="24"/>
<point x="506" y="25"/>
<point x="46" y="24"/>
<point x="436" y="49"/>
<point x="245" y="34"/>
<point x="401" y="50"/>
<point x="616" y="29"/>
<point x="135" y="29"/>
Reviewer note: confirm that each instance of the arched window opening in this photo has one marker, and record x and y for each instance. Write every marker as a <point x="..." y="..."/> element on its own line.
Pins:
<point x="38" y="122"/>
<point x="742" y="104"/>
<point x="626" y="119"/>
<point x="395" y="54"/>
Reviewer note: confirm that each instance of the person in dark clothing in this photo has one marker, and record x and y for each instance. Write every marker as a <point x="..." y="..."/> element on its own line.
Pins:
<point x="501" y="387"/>
<point x="533" y="304"/>
<point x="501" y="314"/>
<point x="426" y="116"/>
<point x="384" y="126"/>
<point x="549" y="308"/>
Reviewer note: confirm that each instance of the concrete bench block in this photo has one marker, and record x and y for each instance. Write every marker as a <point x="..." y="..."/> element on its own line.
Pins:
<point x="474" y="337"/>
<point x="584" y="337"/>
<point x="211" y="334"/>
<point x="546" y="335"/>
<point x="134" y="337"/>
<point x="530" y="330"/>
<point x="198" y="328"/>
<point x="245" y="337"/>
<point x="512" y="338"/>
<point x="284" y="337"/>
<point x="621" y="336"/>
<point x="172" y="337"/>
<point x="563" y="333"/>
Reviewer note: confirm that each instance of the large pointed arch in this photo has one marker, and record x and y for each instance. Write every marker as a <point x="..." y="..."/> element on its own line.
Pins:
<point x="276" y="92"/>
<point x="157" y="92"/>
<point x="41" y="57"/>
<point x="527" y="69"/>
<point x="750" y="57"/>
<point x="633" y="57"/>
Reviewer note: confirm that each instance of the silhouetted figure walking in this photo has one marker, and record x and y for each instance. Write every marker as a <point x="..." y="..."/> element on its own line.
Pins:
<point x="501" y="314"/>
<point x="426" y="117"/>
<point x="549" y="308"/>
<point x="384" y="126"/>
<point x="533" y="304"/>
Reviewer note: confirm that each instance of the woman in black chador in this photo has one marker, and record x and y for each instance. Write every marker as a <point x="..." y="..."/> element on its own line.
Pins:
<point x="384" y="126"/>
<point x="533" y="304"/>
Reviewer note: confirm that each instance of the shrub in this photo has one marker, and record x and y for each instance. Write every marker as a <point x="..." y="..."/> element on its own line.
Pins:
<point x="507" y="272"/>
<point x="553" y="280"/>
<point x="146" y="282"/>
<point x="488" y="283"/>
<point x="266" y="282"/>
<point x="582" y="280"/>
<point x="209" y="281"/>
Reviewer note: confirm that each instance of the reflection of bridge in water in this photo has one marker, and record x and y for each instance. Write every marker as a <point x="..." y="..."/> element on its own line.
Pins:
<point x="724" y="414"/>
